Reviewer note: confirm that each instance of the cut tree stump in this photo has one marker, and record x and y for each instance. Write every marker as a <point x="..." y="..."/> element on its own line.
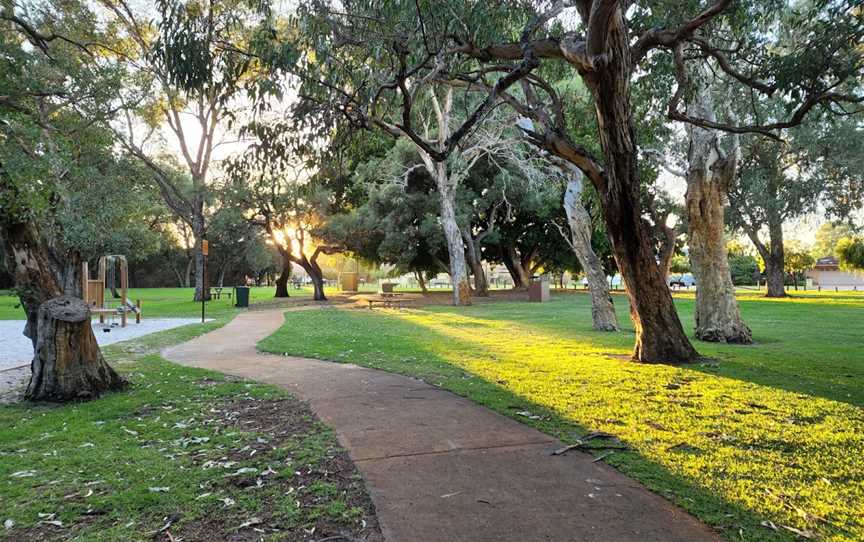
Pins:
<point x="68" y="364"/>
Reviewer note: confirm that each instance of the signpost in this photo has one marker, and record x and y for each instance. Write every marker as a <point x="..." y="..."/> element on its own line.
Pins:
<point x="205" y="250"/>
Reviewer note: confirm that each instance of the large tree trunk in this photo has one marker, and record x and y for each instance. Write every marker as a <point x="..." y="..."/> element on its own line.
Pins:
<point x="27" y="256"/>
<point x="282" y="281"/>
<point x="709" y="176"/>
<point x="472" y="251"/>
<point x="660" y="338"/>
<point x="68" y="364"/>
<point x="455" y="247"/>
<point x="776" y="261"/>
<point x="317" y="277"/>
<point x="602" y="310"/>
<point x="773" y="257"/>
<point x="310" y="265"/>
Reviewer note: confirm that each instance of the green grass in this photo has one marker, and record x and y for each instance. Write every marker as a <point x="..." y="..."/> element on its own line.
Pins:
<point x="91" y="466"/>
<point x="168" y="302"/>
<point x="774" y="432"/>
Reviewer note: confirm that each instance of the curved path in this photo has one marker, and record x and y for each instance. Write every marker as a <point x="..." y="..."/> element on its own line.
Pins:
<point x="441" y="468"/>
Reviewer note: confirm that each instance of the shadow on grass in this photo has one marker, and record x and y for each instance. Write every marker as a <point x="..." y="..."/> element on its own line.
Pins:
<point x="817" y="353"/>
<point x="389" y="341"/>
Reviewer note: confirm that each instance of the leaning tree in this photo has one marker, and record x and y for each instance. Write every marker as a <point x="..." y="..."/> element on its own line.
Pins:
<point x="358" y="60"/>
<point x="53" y="89"/>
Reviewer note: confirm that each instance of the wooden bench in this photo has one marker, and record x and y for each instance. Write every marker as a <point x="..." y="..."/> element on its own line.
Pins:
<point x="217" y="293"/>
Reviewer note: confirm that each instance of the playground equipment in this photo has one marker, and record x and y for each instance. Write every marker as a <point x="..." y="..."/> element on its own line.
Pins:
<point x="349" y="275"/>
<point x="94" y="289"/>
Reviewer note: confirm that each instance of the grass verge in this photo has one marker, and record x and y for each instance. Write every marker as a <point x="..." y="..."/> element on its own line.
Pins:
<point x="184" y="454"/>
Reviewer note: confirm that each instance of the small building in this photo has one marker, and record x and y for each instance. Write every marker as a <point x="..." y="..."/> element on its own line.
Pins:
<point x="827" y="275"/>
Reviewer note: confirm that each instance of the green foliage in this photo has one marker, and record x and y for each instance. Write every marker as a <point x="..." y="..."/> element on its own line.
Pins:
<point x="51" y="101"/>
<point x="743" y="268"/>
<point x="680" y="264"/>
<point x="827" y="237"/>
<point x="851" y="253"/>
<point x="796" y="261"/>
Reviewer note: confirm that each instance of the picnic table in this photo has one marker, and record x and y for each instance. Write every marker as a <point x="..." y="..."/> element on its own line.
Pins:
<point x="387" y="300"/>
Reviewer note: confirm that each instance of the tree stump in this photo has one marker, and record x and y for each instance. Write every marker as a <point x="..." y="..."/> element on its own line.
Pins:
<point x="68" y="364"/>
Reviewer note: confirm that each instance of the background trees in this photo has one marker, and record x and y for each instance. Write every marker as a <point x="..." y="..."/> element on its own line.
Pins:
<point x="184" y="74"/>
<point x="510" y="56"/>
<point x="851" y="253"/>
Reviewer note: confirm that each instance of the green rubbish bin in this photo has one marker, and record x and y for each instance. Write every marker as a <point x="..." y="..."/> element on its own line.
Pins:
<point x="241" y="295"/>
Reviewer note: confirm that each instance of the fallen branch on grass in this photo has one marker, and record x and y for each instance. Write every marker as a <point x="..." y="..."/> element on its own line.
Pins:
<point x="591" y="436"/>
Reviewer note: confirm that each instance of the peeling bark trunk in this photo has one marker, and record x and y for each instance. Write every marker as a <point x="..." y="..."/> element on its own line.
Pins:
<point x="660" y="338"/>
<point x="68" y="364"/>
<point x="472" y="251"/>
<point x="455" y="248"/>
<point x="709" y="175"/>
<point x="27" y="256"/>
<point x="602" y="310"/>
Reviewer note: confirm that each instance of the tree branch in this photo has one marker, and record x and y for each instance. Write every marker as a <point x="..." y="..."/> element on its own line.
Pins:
<point x="662" y="37"/>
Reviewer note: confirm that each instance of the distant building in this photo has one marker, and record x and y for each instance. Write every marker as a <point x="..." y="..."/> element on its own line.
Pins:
<point x="827" y="275"/>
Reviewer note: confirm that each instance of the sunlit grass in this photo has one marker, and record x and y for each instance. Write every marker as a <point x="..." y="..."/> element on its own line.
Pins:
<point x="773" y="433"/>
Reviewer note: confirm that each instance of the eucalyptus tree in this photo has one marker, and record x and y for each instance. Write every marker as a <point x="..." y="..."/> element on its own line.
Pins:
<point x="774" y="185"/>
<point x="579" y="222"/>
<point x="285" y="201"/>
<point x="53" y="92"/>
<point x="826" y="239"/>
<point x="708" y="169"/>
<point x="185" y="72"/>
<point x="363" y="62"/>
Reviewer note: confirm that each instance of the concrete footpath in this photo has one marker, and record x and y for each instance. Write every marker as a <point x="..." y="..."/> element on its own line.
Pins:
<point x="441" y="468"/>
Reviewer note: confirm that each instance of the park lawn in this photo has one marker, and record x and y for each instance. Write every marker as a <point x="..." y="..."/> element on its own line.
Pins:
<point x="193" y="450"/>
<point x="758" y="442"/>
<point x="169" y="302"/>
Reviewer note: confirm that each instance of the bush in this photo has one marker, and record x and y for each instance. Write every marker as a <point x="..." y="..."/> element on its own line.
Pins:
<point x="743" y="268"/>
<point x="851" y="253"/>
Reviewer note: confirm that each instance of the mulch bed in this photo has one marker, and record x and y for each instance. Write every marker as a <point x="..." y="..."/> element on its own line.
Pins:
<point x="281" y="421"/>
